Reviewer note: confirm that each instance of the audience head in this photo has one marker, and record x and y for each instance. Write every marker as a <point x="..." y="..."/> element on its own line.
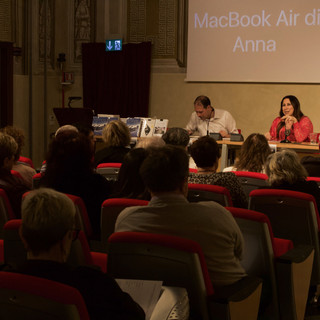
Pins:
<point x="116" y="134"/>
<point x="8" y="150"/>
<point x="177" y="137"/>
<point x="65" y="128"/>
<point x="205" y="152"/>
<point x="69" y="153"/>
<point x="48" y="220"/>
<point x="129" y="183"/>
<point x="150" y="142"/>
<point x="166" y="169"/>
<point x="88" y="131"/>
<point x="284" y="167"/>
<point x="295" y="104"/>
<point x="18" y="135"/>
<point x="253" y="153"/>
<point x="203" y="108"/>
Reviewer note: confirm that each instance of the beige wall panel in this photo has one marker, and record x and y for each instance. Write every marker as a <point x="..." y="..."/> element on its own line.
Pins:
<point x="254" y="106"/>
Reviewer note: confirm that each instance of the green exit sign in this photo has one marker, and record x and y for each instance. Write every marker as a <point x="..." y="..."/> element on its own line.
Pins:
<point x="114" y="45"/>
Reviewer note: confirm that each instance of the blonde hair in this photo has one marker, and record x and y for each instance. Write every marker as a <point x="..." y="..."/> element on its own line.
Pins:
<point x="116" y="134"/>
<point x="8" y="147"/>
<point x="147" y="142"/>
<point x="284" y="167"/>
<point x="47" y="215"/>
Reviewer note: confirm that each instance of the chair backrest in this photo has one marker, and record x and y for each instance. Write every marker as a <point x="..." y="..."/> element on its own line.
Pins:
<point x="293" y="215"/>
<point x="109" y="170"/>
<point x="82" y="214"/>
<point x="316" y="179"/>
<point x="251" y="180"/>
<point x="193" y="170"/>
<point x="6" y="212"/>
<point x="36" y="180"/>
<point x="26" y="161"/>
<point x="28" y="297"/>
<point x="208" y="192"/>
<point x="259" y="254"/>
<point x="16" y="174"/>
<point x="176" y="261"/>
<point x="15" y="253"/>
<point x="110" y="209"/>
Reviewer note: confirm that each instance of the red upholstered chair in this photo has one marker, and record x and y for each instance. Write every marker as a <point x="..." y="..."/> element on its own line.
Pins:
<point x="180" y="262"/>
<point x="26" y="161"/>
<point x="6" y="212"/>
<point x="293" y="215"/>
<point x="36" y="180"/>
<point x="80" y="254"/>
<point x="316" y="179"/>
<point x="277" y="263"/>
<point x="110" y="210"/>
<point x="28" y="297"/>
<point x="109" y="170"/>
<point x="82" y="213"/>
<point x="16" y="174"/>
<point x="251" y="180"/>
<point x="208" y="192"/>
<point x="193" y="170"/>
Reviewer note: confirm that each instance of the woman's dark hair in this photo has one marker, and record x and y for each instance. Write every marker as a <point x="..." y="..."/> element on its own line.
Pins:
<point x="205" y="152"/>
<point x="253" y="153"/>
<point x="297" y="113"/>
<point x="129" y="183"/>
<point x="70" y="154"/>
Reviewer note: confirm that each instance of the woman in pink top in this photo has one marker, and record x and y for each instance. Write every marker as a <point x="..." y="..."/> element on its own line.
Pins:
<point x="291" y="123"/>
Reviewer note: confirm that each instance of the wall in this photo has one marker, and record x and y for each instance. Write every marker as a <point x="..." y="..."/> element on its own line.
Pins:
<point x="254" y="106"/>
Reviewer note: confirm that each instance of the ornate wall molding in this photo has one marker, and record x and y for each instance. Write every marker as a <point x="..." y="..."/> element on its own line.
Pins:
<point x="164" y="23"/>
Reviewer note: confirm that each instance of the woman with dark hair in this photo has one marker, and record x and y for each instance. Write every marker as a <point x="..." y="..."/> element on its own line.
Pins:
<point x="291" y="123"/>
<point x="129" y="183"/>
<point x="205" y="153"/>
<point x="253" y="154"/>
<point x="70" y="170"/>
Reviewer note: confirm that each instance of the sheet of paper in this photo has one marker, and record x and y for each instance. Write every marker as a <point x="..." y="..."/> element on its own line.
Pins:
<point x="145" y="292"/>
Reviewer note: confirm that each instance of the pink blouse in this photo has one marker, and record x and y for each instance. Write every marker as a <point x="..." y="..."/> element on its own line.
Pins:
<point x="299" y="131"/>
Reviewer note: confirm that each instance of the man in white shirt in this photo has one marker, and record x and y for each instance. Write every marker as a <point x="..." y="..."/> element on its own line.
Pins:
<point x="205" y="119"/>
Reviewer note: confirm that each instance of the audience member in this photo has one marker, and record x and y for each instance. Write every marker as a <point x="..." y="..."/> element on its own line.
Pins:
<point x="253" y="154"/>
<point x="205" y="119"/>
<point x="291" y="123"/>
<point x="312" y="165"/>
<point x="48" y="229"/>
<point x="165" y="173"/>
<point x="177" y="137"/>
<point x="13" y="186"/>
<point x="62" y="129"/>
<point x="25" y="171"/>
<point x="70" y="170"/>
<point x="205" y="153"/>
<point x="129" y="183"/>
<point x="285" y="171"/>
<point x="116" y="137"/>
<point x="147" y="142"/>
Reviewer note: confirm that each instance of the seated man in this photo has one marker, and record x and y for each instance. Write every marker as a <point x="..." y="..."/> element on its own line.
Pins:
<point x="48" y="229"/>
<point x="12" y="185"/>
<point x="165" y="173"/>
<point x="205" y="119"/>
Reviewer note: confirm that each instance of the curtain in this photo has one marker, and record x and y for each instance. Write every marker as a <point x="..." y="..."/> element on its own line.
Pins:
<point x="117" y="82"/>
<point x="6" y="83"/>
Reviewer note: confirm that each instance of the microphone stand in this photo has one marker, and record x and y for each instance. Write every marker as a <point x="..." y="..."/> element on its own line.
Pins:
<point x="286" y="135"/>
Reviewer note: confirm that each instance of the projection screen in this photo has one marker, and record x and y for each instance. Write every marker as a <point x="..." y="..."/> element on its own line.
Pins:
<point x="254" y="41"/>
